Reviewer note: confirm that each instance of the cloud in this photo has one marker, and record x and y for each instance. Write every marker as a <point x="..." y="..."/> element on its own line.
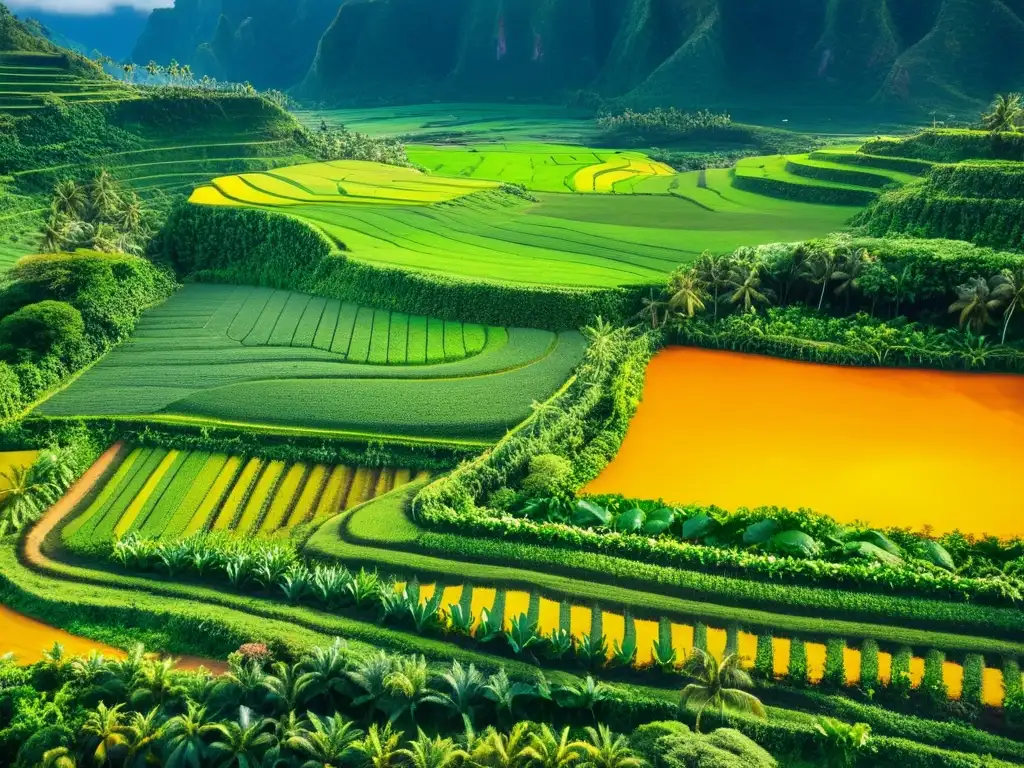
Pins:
<point x="85" y="7"/>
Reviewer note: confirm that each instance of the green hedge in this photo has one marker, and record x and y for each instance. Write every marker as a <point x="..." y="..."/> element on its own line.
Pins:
<point x="253" y="246"/>
<point x="901" y="164"/>
<point x="804" y="193"/>
<point x="950" y="145"/>
<point x="838" y="175"/>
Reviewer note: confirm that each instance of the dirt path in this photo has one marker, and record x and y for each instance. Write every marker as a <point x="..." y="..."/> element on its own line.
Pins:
<point x="32" y="553"/>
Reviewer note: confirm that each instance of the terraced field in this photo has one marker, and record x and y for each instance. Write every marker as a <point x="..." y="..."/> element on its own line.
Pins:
<point x="159" y="493"/>
<point x="260" y="356"/>
<point x="542" y="167"/>
<point x="28" y="79"/>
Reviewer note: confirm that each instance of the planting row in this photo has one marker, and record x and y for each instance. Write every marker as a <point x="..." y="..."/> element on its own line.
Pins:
<point x="167" y="493"/>
<point x="542" y="630"/>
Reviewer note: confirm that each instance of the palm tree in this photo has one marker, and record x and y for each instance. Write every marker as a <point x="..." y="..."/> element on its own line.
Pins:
<point x="103" y="195"/>
<point x="55" y="661"/>
<point x="497" y="750"/>
<point x="819" y="269"/>
<point x="847" y="274"/>
<point x="686" y="293"/>
<point x="381" y="747"/>
<point x="57" y="466"/>
<point x="1005" y="113"/>
<point x="331" y="741"/>
<point x="1010" y="288"/>
<point x="503" y="692"/>
<point x="129" y="71"/>
<point x="285" y="688"/>
<point x="789" y="271"/>
<point x="69" y="198"/>
<point x="601" y="337"/>
<point x="186" y="746"/>
<point x="586" y="696"/>
<point x="371" y="674"/>
<point x="745" y="283"/>
<point x="425" y="752"/>
<point x="23" y="500"/>
<point x="325" y="668"/>
<point x="465" y="690"/>
<point x="105" y="729"/>
<point x="408" y="686"/>
<point x="186" y="73"/>
<point x="242" y="742"/>
<point x="650" y="306"/>
<point x="719" y="685"/>
<point x="130" y="216"/>
<point x="713" y="273"/>
<point x="550" y="751"/>
<point x="144" y="733"/>
<point x="55" y="233"/>
<point x="544" y="412"/>
<point x="158" y="683"/>
<point x="977" y="301"/>
<point x="605" y="749"/>
<point x="154" y="69"/>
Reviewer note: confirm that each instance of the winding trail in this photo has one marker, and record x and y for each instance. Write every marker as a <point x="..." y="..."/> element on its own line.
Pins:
<point x="22" y="627"/>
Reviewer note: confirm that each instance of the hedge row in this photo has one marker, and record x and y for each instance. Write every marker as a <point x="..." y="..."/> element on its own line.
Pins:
<point x="804" y="193"/>
<point x="250" y="246"/>
<point x="901" y="164"/>
<point x="951" y="145"/>
<point x="838" y="175"/>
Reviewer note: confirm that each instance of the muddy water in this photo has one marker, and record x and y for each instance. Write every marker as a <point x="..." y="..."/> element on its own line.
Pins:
<point x="582" y="620"/>
<point x="891" y="447"/>
<point x="27" y="639"/>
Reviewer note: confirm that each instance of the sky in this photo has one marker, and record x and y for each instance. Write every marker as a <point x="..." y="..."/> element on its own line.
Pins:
<point x="84" y="7"/>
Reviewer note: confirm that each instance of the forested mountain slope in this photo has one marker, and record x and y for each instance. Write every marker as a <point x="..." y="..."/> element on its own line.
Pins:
<point x="929" y="53"/>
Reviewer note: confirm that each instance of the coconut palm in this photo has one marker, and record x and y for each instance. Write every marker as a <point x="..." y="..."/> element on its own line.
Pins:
<point x="144" y="734"/>
<point x="408" y="686"/>
<point x="330" y="741"/>
<point x="744" y="284"/>
<point x="243" y="741"/>
<point x="106" y="239"/>
<point x="186" y="744"/>
<point x="713" y="273"/>
<point x="106" y="733"/>
<point x="849" y="271"/>
<point x="380" y="748"/>
<point x="131" y="215"/>
<point x="604" y="749"/>
<point x="158" y="683"/>
<point x="548" y="750"/>
<point x="719" y="684"/>
<point x="503" y="692"/>
<point x="55" y="661"/>
<point x="426" y="752"/>
<point x="59" y="757"/>
<point x="977" y="301"/>
<point x="1010" y="288"/>
<point x="240" y="683"/>
<point x="153" y="69"/>
<point x="1005" y="113"/>
<point x="371" y="675"/>
<point x="686" y="293"/>
<point x="601" y="337"/>
<point x="544" y="412"/>
<point x="650" y="307"/>
<point x="465" y="690"/>
<point x="819" y="269"/>
<point x="586" y="696"/>
<point x="789" y="271"/>
<point x="103" y="196"/>
<point x="57" y="466"/>
<point x="55" y="232"/>
<point x="69" y="199"/>
<point x="24" y="498"/>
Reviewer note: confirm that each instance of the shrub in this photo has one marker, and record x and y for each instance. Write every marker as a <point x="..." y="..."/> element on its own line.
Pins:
<point x="45" y="328"/>
<point x="764" y="659"/>
<point x="899" y="681"/>
<point x="835" y="663"/>
<point x="869" y="680"/>
<point x="549" y="475"/>
<point x="933" y="684"/>
<point x="742" y="746"/>
<point x="797" y="673"/>
<point x="974" y="678"/>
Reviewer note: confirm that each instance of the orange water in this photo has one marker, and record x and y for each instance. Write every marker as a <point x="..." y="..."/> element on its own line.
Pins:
<point x="27" y="639"/>
<point x="889" y="447"/>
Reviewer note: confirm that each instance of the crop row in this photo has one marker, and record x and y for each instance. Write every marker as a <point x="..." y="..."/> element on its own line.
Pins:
<point x="158" y="493"/>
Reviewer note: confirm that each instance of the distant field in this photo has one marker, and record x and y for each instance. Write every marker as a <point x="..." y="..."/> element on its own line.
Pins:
<point x="582" y="240"/>
<point x="27" y="79"/>
<point x="260" y="356"/>
<point x="157" y="493"/>
<point x="461" y="122"/>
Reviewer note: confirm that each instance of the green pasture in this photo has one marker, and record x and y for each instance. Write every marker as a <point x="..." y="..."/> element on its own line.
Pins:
<point x="261" y="356"/>
<point x="461" y="122"/>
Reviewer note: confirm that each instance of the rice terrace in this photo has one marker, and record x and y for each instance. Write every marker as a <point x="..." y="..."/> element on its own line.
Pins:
<point x="604" y="384"/>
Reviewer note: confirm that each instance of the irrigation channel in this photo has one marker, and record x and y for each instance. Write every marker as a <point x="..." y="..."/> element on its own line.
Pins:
<point x="552" y="616"/>
<point x="876" y="445"/>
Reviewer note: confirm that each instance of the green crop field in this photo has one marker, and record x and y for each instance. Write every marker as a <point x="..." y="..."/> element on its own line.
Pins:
<point x="489" y="123"/>
<point x="256" y="355"/>
<point x="167" y="494"/>
<point x="27" y="80"/>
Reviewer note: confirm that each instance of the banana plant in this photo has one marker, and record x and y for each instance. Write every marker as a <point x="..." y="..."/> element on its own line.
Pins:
<point x="489" y="628"/>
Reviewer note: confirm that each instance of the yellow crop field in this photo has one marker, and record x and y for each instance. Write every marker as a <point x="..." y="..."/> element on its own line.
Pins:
<point x="260" y="495"/>
<point x="361" y="489"/>
<point x="331" y="501"/>
<point x="147" y="490"/>
<point x="208" y="505"/>
<point x="233" y="504"/>
<point x="103" y="498"/>
<point x="304" y="507"/>
<point x="235" y="188"/>
<point x="283" y="499"/>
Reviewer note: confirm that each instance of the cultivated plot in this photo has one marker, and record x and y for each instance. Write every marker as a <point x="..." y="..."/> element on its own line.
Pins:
<point x="261" y="356"/>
